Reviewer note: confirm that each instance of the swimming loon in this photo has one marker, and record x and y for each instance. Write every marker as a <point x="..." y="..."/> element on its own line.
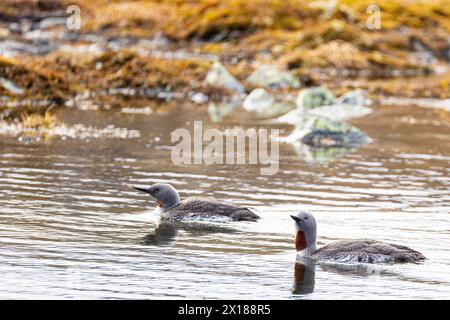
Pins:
<point x="172" y="208"/>
<point x="365" y="251"/>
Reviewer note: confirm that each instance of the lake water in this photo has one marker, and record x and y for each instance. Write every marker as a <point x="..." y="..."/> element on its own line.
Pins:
<point x="71" y="226"/>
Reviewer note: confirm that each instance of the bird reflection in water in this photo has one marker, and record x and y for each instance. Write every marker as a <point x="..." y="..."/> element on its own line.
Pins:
<point x="305" y="272"/>
<point x="304" y="276"/>
<point x="166" y="232"/>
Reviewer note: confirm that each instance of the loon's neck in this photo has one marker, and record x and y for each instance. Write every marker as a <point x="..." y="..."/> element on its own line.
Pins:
<point x="170" y="201"/>
<point x="170" y="206"/>
<point x="302" y="246"/>
<point x="165" y="212"/>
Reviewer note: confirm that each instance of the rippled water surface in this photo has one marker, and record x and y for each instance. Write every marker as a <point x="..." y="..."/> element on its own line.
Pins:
<point x="71" y="226"/>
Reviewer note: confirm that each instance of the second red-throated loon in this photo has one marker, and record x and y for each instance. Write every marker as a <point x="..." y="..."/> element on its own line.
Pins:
<point x="365" y="251"/>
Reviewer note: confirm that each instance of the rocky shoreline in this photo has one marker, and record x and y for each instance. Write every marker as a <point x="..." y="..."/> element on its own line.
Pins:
<point x="147" y="52"/>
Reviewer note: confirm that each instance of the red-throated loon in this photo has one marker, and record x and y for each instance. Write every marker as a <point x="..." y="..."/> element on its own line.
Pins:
<point x="172" y="208"/>
<point x="365" y="251"/>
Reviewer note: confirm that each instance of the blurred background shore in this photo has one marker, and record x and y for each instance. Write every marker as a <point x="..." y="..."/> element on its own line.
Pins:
<point x="142" y="52"/>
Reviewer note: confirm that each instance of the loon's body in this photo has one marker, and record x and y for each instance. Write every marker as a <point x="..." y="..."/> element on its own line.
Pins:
<point x="364" y="251"/>
<point x="209" y="209"/>
<point x="172" y="208"/>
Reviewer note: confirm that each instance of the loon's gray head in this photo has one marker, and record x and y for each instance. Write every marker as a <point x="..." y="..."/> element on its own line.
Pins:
<point x="306" y="227"/>
<point x="164" y="193"/>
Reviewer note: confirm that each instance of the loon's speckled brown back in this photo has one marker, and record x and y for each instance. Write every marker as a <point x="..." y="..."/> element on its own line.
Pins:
<point x="367" y="251"/>
<point x="204" y="208"/>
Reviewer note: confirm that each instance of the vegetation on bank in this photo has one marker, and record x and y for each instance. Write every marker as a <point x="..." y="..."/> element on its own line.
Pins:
<point x="36" y="80"/>
<point x="321" y="42"/>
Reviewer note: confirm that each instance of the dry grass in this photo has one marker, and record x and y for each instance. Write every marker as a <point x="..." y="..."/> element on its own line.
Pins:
<point x="38" y="122"/>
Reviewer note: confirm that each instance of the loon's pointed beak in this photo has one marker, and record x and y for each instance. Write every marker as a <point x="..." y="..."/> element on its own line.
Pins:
<point x="295" y="218"/>
<point x="143" y="190"/>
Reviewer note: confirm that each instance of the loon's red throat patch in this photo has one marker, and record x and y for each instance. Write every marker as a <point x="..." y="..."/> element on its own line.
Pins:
<point x="300" y="241"/>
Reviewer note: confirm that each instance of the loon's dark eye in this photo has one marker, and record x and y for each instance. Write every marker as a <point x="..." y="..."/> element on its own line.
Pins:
<point x="306" y="218"/>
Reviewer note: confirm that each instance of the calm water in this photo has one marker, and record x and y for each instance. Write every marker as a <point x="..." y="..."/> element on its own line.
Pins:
<point x="71" y="227"/>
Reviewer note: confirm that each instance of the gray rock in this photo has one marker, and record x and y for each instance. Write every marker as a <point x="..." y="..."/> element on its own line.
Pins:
<point x="319" y="101"/>
<point x="323" y="132"/>
<point x="357" y="97"/>
<point x="11" y="86"/>
<point x="10" y="48"/>
<point x="263" y="103"/>
<point x="314" y="97"/>
<point x="52" y="22"/>
<point x="199" y="97"/>
<point x="352" y="104"/>
<point x="341" y="112"/>
<point x="219" y="76"/>
<point x="271" y="76"/>
<point x="258" y="100"/>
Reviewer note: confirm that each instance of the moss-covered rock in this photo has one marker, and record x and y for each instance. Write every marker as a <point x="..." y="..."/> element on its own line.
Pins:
<point x="314" y="97"/>
<point x="270" y="76"/>
<point x="323" y="132"/>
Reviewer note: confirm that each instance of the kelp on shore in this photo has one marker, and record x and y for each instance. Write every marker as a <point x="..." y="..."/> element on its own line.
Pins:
<point x="319" y="42"/>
